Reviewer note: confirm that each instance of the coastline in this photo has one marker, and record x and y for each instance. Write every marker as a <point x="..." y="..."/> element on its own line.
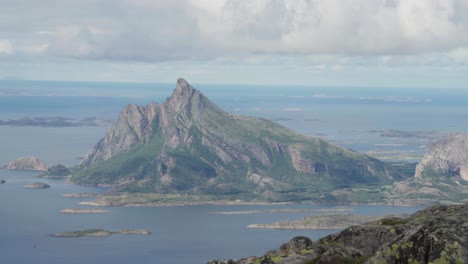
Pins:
<point x="162" y="200"/>
<point x="139" y="200"/>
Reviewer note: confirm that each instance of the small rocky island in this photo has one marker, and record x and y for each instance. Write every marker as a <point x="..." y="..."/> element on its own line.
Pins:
<point x="37" y="185"/>
<point x="2" y="181"/>
<point x="326" y="221"/>
<point x="81" y="195"/>
<point x="83" y="211"/>
<point x="26" y="163"/>
<point x="102" y="233"/>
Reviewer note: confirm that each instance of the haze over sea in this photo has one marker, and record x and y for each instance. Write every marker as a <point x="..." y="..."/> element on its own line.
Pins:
<point x="392" y="124"/>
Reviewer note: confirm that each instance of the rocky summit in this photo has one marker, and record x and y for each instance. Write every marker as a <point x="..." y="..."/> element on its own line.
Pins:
<point x="435" y="235"/>
<point x="190" y="145"/>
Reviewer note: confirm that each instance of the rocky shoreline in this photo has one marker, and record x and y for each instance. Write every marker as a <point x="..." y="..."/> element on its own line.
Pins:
<point x="157" y="200"/>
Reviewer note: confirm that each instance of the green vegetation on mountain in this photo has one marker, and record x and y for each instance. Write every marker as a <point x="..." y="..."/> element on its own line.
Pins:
<point x="435" y="235"/>
<point x="189" y="145"/>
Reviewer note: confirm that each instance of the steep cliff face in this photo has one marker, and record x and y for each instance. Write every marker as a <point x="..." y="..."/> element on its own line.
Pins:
<point x="447" y="157"/>
<point x="131" y="128"/>
<point x="188" y="144"/>
<point x="435" y="235"/>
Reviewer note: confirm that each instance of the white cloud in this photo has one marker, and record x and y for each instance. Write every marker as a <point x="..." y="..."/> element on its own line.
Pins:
<point x="459" y="55"/>
<point x="352" y="27"/>
<point x="5" y="47"/>
<point x="146" y="30"/>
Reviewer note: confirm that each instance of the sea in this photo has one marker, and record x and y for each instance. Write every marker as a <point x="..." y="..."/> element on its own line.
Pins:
<point x="393" y="124"/>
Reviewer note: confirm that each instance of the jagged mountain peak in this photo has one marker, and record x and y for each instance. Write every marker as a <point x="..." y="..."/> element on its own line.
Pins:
<point x="183" y="89"/>
<point x="182" y="84"/>
<point x="190" y="102"/>
<point x="183" y="94"/>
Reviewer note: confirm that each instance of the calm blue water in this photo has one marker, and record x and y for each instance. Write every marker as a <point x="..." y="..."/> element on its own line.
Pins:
<point x="346" y="116"/>
<point x="186" y="234"/>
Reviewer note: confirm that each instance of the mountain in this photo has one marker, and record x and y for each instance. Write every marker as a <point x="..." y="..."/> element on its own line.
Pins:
<point x="448" y="157"/>
<point x="435" y="235"/>
<point x="440" y="177"/>
<point x="189" y="145"/>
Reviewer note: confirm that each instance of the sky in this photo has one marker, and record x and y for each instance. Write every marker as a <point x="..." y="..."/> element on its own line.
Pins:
<point x="378" y="43"/>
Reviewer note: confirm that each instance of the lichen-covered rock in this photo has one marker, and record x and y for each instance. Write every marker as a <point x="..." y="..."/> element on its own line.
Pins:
<point x="435" y="235"/>
<point x="27" y="163"/>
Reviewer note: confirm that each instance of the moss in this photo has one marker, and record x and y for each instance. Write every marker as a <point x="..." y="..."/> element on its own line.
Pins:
<point x="406" y="245"/>
<point x="276" y="259"/>
<point x="393" y="221"/>
<point x="450" y="254"/>
<point x="306" y="251"/>
<point x="394" y="251"/>
<point x="413" y="261"/>
<point x="313" y="261"/>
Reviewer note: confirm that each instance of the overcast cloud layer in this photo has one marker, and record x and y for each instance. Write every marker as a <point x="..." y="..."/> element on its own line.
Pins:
<point x="317" y="34"/>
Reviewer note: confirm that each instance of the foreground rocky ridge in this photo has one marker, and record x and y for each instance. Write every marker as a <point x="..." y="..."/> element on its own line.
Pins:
<point x="435" y="235"/>
<point x="189" y="145"/>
